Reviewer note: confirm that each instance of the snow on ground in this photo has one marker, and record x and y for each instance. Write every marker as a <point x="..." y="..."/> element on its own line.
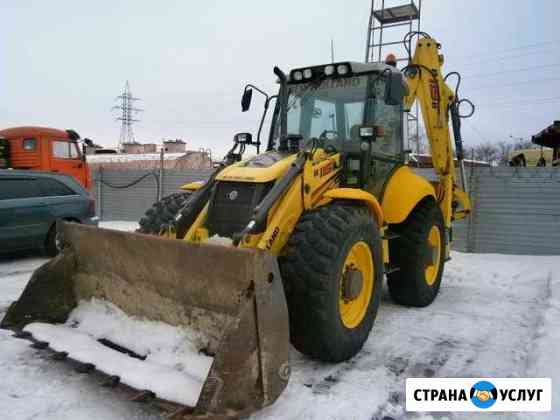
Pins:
<point x="496" y="315"/>
<point x="14" y="274"/>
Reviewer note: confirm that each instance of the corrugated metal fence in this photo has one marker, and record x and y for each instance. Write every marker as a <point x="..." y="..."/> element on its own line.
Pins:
<point x="126" y="195"/>
<point x="515" y="210"/>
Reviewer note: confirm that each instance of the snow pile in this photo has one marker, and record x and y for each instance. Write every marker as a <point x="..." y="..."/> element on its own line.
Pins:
<point x="173" y="367"/>
<point x="119" y="225"/>
<point x="219" y="240"/>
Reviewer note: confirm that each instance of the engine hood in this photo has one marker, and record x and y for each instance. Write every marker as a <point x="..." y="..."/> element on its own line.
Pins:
<point x="265" y="167"/>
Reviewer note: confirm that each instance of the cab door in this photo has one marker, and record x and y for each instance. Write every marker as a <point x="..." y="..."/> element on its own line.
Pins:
<point x="66" y="158"/>
<point x="387" y="149"/>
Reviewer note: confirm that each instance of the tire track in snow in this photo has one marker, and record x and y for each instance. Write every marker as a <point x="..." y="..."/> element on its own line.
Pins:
<point x="540" y="307"/>
<point x="436" y="357"/>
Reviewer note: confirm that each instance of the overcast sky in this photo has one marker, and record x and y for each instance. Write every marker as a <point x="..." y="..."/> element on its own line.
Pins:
<point x="64" y="62"/>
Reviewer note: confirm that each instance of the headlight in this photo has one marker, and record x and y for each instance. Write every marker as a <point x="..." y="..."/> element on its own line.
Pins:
<point x="329" y="70"/>
<point x="298" y="76"/>
<point x="342" y="69"/>
<point x="307" y="73"/>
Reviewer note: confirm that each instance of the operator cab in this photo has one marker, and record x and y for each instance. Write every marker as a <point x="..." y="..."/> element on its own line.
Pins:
<point x="353" y="108"/>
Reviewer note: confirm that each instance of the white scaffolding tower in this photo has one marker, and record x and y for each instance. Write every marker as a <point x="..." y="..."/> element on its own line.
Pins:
<point x="389" y="22"/>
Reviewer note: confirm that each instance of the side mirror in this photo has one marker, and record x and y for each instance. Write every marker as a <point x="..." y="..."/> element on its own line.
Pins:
<point x="246" y="100"/>
<point x="243" y="138"/>
<point x="394" y="89"/>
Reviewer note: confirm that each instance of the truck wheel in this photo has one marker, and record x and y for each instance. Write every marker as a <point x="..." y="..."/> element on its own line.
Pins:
<point x="162" y="213"/>
<point x="332" y="274"/>
<point x="419" y="253"/>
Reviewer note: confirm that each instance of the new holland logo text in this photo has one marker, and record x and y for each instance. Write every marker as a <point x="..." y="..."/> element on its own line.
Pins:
<point x="471" y="394"/>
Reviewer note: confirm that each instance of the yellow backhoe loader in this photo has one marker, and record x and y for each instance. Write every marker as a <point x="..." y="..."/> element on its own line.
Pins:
<point x="314" y="224"/>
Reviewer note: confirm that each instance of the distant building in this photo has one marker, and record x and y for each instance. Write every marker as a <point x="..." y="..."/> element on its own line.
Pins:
<point x="175" y="146"/>
<point x="150" y="148"/>
<point x="132" y="148"/>
<point x="91" y="150"/>
<point x="134" y="161"/>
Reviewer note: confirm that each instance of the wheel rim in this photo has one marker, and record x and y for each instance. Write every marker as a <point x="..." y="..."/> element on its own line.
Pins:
<point x="434" y="250"/>
<point x="353" y="310"/>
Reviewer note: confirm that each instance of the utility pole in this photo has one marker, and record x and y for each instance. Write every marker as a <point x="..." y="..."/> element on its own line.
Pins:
<point x="127" y="112"/>
<point x="332" y="50"/>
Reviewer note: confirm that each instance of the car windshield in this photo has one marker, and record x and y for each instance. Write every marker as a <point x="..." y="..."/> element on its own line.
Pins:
<point x="334" y="109"/>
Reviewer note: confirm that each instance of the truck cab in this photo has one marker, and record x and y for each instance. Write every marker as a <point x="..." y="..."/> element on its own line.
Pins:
<point x="44" y="149"/>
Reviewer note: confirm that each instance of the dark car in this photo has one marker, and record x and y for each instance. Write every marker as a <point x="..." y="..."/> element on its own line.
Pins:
<point x="31" y="203"/>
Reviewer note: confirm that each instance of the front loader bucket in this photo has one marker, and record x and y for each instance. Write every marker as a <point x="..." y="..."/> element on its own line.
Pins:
<point x="231" y="297"/>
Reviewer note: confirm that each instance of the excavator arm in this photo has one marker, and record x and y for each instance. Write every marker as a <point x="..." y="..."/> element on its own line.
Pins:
<point x="438" y="103"/>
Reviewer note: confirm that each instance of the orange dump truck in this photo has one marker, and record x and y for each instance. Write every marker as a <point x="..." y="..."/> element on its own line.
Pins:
<point x="44" y="149"/>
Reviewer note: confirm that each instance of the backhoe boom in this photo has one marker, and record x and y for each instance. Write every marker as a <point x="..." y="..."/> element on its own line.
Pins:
<point x="437" y="102"/>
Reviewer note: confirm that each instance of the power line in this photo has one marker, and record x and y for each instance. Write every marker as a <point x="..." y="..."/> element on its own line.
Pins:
<point x="476" y="131"/>
<point x="505" y="58"/>
<point x="528" y="82"/>
<point x="492" y="53"/>
<point x="522" y="102"/>
<point x="540" y="67"/>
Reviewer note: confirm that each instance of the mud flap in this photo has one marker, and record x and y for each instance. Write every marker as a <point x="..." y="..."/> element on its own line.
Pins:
<point x="233" y="297"/>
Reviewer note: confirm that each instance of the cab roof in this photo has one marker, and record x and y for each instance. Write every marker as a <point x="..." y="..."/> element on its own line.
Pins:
<point x="549" y="137"/>
<point x="31" y="131"/>
<point x="356" y="68"/>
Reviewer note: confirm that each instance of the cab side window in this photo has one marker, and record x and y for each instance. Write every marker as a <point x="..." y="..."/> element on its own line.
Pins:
<point x="62" y="149"/>
<point x="353" y="115"/>
<point x="390" y="118"/>
<point x="29" y="145"/>
<point x="17" y="188"/>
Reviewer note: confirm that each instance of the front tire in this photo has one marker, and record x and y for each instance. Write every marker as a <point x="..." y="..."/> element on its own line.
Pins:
<point x="419" y="253"/>
<point x="332" y="274"/>
<point x="162" y="213"/>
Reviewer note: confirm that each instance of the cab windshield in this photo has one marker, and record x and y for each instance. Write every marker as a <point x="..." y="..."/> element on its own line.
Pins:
<point x="334" y="110"/>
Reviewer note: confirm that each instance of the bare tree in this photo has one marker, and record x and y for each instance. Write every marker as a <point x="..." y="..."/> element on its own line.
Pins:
<point x="504" y="150"/>
<point x="497" y="153"/>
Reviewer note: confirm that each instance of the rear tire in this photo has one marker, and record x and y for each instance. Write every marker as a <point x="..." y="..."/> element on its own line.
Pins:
<point x="318" y="253"/>
<point x="417" y="283"/>
<point x="162" y="213"/>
